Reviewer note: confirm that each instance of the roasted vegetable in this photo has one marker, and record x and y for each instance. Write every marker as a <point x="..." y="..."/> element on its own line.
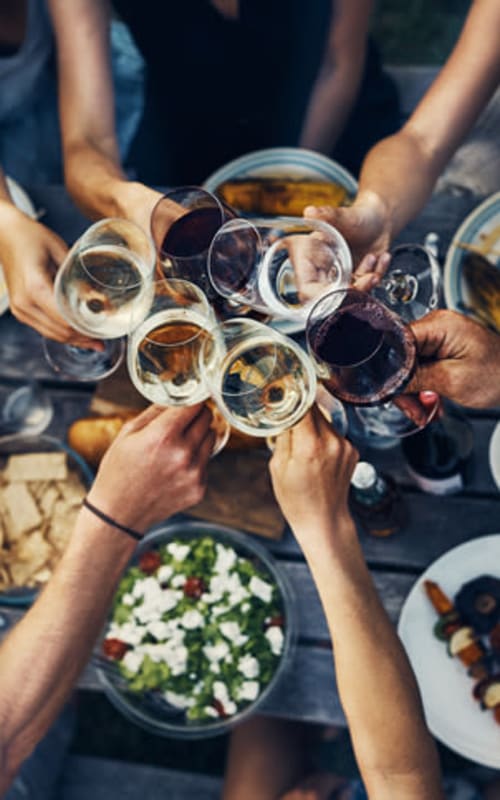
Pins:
<point x="277" y="196"/>
<point x="478" y="603"/>
<point x="483" y="284"/>
<point x="442" y="604"/>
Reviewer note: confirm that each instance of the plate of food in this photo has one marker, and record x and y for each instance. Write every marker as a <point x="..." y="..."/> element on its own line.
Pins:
<point x="494" y="454"/>
<point x="201" y="631"/>
<point x="450" y="627"/>
<point x="22" y="201"/>
<point x="42" y="484"/>
<point x="472" y="265"/>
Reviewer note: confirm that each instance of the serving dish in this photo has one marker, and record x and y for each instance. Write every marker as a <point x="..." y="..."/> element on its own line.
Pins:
<point x="219" y="649"/>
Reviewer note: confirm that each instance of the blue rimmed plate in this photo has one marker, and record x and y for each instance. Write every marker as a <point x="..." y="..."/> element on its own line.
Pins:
<point x="479" y="232"/>
<point x="283" y="162"/>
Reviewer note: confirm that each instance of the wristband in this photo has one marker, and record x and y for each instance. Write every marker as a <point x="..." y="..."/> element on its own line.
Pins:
<point x="110" y="521"/>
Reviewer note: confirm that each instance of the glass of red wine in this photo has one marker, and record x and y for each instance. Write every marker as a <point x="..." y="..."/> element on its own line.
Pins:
<point x="365" y="355"/>
<point x="183" y="224"/>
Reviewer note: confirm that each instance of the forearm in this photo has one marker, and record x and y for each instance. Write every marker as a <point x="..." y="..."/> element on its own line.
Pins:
<point x="375" y="681"/>
<point x="331" y="102"/>
<point x="57" y="634"/>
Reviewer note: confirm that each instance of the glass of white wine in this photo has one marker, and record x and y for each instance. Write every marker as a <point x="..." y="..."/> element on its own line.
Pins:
<point x="278" y="266"/>
<point x="103" y="288"/>
<point x="262" y="381"/>
<point x="163" y="354"/>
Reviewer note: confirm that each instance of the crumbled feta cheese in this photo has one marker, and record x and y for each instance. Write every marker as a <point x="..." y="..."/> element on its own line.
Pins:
<point x="232" y="631"/>
<point x="129" y="632"/>
<point x="218" y="610"/>
<point x="222" y="695"/>
<point x="178" y="551"/>
<point x="179" y="700"/>
<point x="249" y="690"/>
<point x="211" y="712"/>
<point x="158" y="629"/>
<point x="178" y="581"/>
<point x="274" y="636"/>
<point x="169" y="599"/>
<point x="192" y="619"/>
<point x="164" y="573"/>
<point x="226" y="558"/>
<point x="128" y="599"/>
<point x="249" y="666"/>
<point x="261" y="589"/>
<point x="245" y="607"/>
<point x="132" y="660"/>
<point x="215" y="667"/>
<point x="237" y="596"/>
<point x="215" y="652"/>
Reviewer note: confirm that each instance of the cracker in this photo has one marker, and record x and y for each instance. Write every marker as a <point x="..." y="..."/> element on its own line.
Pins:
<point x="23" y="514"/>
<point x="37" y="467"/>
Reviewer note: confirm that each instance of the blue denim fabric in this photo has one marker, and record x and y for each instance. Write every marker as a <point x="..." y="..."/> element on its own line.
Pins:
<point x="39" y="775"/>
<point x="30" y="142"/>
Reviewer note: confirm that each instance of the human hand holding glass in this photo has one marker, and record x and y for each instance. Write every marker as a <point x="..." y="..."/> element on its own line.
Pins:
<point x="163" y="355"/>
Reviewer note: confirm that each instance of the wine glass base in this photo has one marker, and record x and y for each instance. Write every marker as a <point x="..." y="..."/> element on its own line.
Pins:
<point x="28" y="409"/>
<point x="82" y="364"/>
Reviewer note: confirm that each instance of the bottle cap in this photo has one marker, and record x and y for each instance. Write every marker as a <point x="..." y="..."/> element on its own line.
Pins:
<point x="364" y="475"/>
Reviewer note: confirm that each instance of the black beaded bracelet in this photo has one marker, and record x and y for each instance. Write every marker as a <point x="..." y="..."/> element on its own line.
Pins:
<point x="110" y="521"/>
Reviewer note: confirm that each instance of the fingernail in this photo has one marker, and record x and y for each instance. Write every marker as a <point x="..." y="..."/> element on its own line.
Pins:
<point x="310" y="211"/>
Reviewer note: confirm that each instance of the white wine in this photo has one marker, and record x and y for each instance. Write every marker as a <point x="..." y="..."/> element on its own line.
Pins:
<point x="104" y="291"/>
<point x="266" y="386"/>
<point x="164" y="357"/>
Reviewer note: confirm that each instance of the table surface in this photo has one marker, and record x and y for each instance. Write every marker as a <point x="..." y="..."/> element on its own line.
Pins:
<point x="436" y="524"/>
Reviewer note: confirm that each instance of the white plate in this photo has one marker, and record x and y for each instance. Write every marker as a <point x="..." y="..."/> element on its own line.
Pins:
<point x="452" y="714"/>
<point x="283" y="162"/>
<point x="494" y="455"/>
<point x="482" y="230"/>
<point x="23" y="202"/>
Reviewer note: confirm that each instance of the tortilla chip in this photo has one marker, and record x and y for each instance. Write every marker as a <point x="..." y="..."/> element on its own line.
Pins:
<point x="37" y="467"/>
<point x="23" y="514"/>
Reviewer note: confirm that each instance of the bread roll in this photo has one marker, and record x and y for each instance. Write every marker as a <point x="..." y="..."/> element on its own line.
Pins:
<point x="91" y="436"/>
<point x="276" y="196"/>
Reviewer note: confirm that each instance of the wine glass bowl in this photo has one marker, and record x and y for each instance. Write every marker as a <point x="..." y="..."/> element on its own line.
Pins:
<point x="363" y="352"/>
<point x="278" y="266"/>
<point x="103" y="287"/>
<point x="411" y="283"/>
<point x="262" y="381"/>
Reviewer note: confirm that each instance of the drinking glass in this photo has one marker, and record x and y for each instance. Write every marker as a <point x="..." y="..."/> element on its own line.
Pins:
<point x="366" y="355"/>
<point x="255" y="263"/>
<point x="163" y="351"/>
<point x="411" y="283"/>
<point x="262" y="381"/>
<point x="183" y="224"/>
<point x="103" y="288"/>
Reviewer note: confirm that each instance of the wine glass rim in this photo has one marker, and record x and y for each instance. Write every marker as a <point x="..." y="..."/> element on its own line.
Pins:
<point x="168" y="196"/>
<point x="198" y="297"/>
<point x="81" y="247"/>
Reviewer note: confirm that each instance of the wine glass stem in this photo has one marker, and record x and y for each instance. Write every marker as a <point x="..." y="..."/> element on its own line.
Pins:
<point x="401" y="288"/>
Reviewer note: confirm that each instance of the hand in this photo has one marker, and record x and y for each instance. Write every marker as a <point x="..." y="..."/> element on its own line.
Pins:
<point x="459" y="358"/>
<point x="364" y="225"/>
<point x="30" y="254"/>
<point x="156" y="466"/>
<point x="311" y="469"/>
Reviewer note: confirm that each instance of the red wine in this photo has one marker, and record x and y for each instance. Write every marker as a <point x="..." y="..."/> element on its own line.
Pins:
<point x="439" y="457"/>
<point x="192" y="234"/>
<point x="369" y="352"/>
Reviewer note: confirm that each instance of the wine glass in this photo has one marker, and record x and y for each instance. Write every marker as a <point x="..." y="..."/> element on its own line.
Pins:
<point x="183" y="224"/>
<point x="255" y="263"/>
<point x="262" y="381"/>
<point x="366" y="355"/>
<point x="103" y="288"/>
<point x="411" y="283"/>
<point x="163" y="350"/>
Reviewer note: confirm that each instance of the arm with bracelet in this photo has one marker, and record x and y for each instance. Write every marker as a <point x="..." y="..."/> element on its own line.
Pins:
<point x="155" y="468"/>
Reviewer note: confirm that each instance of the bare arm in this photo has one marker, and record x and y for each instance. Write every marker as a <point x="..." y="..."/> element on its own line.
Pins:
<point x="155" y="467"/>
<point x="399" y="172"/>
<point x="336" y="87"/>
<point x="311" y="468"/>
<point x="93" y="172"/>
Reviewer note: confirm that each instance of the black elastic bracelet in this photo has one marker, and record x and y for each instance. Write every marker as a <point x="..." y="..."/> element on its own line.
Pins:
<point x="130" y="531"/>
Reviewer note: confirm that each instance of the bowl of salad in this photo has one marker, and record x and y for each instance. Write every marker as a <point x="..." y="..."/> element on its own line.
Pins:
<point x="200" y="633"/>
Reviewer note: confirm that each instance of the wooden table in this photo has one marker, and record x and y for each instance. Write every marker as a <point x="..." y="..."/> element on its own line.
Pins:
<point x="436" y="524"/>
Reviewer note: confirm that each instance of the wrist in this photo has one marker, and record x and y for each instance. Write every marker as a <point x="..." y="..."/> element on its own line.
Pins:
<point x="335" y="536"/>
<point x="94" y="537"/>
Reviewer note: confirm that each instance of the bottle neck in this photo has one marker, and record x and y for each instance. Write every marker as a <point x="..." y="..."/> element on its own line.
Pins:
<point x="371" y="495"/>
